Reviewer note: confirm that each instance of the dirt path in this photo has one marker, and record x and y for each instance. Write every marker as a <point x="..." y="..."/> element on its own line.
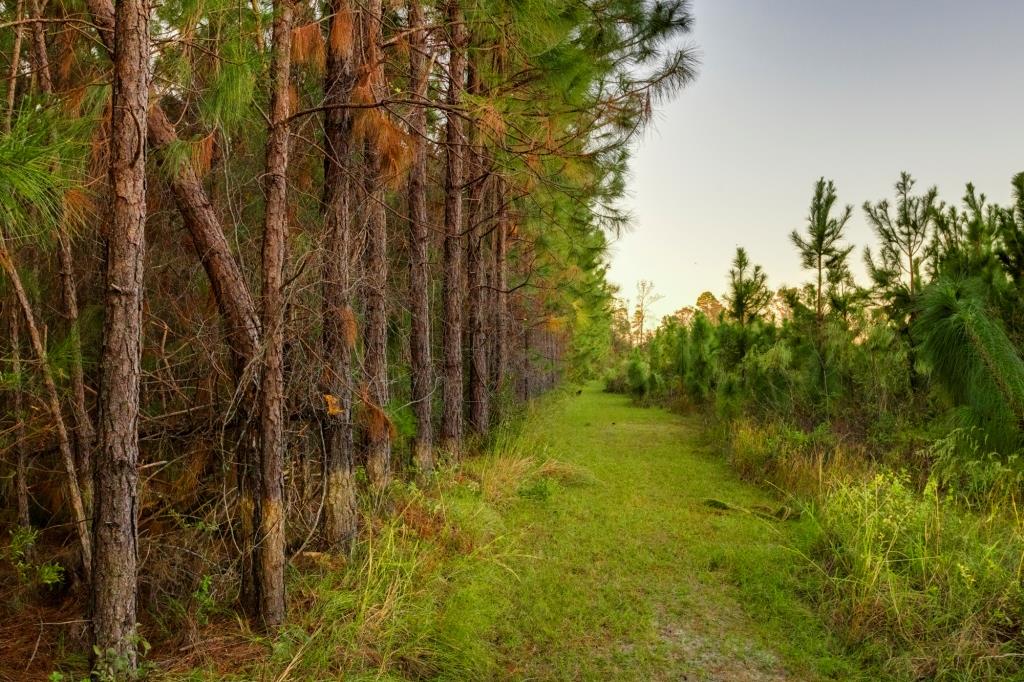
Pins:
<point x="631" y="575"/>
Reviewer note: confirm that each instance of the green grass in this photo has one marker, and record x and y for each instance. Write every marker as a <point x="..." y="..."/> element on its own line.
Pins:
<point x="634" y="576"/>
<point x="582" y="547"/>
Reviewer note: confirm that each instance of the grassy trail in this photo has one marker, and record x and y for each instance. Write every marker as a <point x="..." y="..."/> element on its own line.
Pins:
<point x="633" y="576"/>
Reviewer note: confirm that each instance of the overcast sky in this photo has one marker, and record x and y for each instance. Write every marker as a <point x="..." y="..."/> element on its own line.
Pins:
<point x="791" y="90"/>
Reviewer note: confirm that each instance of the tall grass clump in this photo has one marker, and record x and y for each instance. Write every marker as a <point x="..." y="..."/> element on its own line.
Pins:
<point x="929" y="590"/>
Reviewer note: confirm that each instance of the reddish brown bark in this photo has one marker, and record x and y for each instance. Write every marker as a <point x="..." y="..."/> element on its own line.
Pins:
<point x="340" y="517"/>
<point x="375" y="265"/>
<point x="479" y="408"/>
<point x="270" y="543"/>
<point x="419" y="243"/>
<point x="455" y="143"/>
<point x="39" y="54"/>
<point x="116" y="466"/>
<point x="499" y="369"/>
<point x="12" y="78"/>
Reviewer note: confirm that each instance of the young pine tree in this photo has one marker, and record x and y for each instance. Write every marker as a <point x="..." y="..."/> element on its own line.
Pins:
<point x="749" y="295"/>
<point x="821" y="249"/>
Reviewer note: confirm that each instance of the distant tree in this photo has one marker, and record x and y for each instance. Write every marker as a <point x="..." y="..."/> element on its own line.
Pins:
<point x="964" y="241"/>
<point x="903" y="232"/>
<point x="748" y="296"/>
<point x="645" y="298"/>
<point x="685" y="315"/>
<point x="779" y="309"/>
<point x="710" y="306"/>
<point x="699" y="378"/>
<point x="821" y="250"/>
<point x="622" y="328"/>
<point x="454" y="181"/>
<point x="421" y="367"/>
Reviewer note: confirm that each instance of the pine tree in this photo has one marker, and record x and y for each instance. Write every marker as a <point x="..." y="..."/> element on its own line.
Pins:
<point x="270" y="512"/>
<point x="455" y="149"/>
<point x="419" y="248"/>
<point x="821" y="250"/>
<point x="903" y="231"/>
<point x="749" y="295"/>
<point x="117" y="479"/>
<point x="339" y="322"/>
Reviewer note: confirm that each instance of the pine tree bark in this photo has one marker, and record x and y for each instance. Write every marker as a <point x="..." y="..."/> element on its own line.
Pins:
<point x="375" y="263"/>
<point x="12" y="78"/>
<point x="231" y="292"/>
<point x="479" y="409"/>
<point x="339" y="322"/>
<point x="419" y="244"/>
<point x="500" y="308"/>
<point x="42" y="61"/>
<point x="271" y="536"/>
<point x="455" y="144"/>
<point x="116" y="467"/>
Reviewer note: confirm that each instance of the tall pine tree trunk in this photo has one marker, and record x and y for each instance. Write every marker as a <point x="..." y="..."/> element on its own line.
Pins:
<point x="12" y="78"/>
<point x="419" y="243"/>
<point x="499" y="370"/>
<point x="455" y="144"/>
<point x="231" y="292"/>
<point x="39" y="54"/>
<point x="478" y="172"/>
<point x="116" y="467"/>
<point x="339" y="323"/>
<point x="270" y="542"/>
<point x="375" y="263"/>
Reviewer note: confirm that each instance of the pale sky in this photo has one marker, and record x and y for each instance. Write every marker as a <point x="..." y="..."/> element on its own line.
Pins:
<point x="791" y="90"/>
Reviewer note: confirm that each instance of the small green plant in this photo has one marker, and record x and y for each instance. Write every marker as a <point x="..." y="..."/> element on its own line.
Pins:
<point x="19" y="553"/>
<point x="538" y="490"/>
<point x="205" y="602"/>
<point x="110" y="665"/>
